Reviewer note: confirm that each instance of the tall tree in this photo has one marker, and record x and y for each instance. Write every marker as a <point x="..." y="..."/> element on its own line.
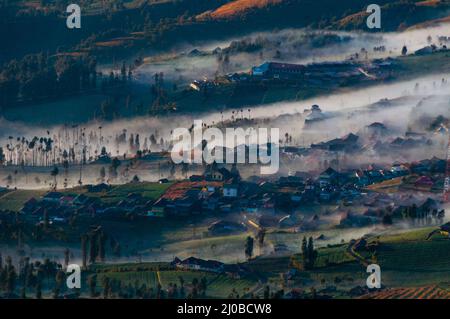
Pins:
<point x="66" y="257"/>
<point x="312" y="254"/>
<point x="84" y="242"/>
<point x="92" y="282"/>
<point x="106" y="287"/>
<point x="39" y="290"/>
<point x="249" y="247"/>
<point x="101" y="245"/>
<point x="304" y="253"/>
<point x="92" y="247"/>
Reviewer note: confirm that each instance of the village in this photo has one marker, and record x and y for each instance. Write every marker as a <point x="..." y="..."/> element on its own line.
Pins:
<point x="356" y="69"/>
<point x="353" y="177"/>
<point x="265" y="203"/>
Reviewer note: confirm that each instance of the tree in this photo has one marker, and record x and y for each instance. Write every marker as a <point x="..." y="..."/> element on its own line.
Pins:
<point x="84" y="242"/>
<point x="304" y="253"/>
<point x="92" y="282"/>
<point x="249" y="247"/>
<point x="404" y="50"/>
<point x="106" y="287"/>
<point x="11" y="280"/>
<point x="102" y="174"/>
<point x="261" y="235"/>
<point x="267" y="292"/>
<point x="101" y="245"/>
<point x="59" y="280"/>
<point x="203" y="285"/>
<point x="46" y="220"/>
<point x="92" y="247"/>
<point x="54" y="173"/>
<point x="2" y="156"/>
<point x="66" y="257"/>
<point x="312" y="254"/>
<point x="115" y="163"/>
<point x="387" y="220"/>
<point x="39" y="290"/>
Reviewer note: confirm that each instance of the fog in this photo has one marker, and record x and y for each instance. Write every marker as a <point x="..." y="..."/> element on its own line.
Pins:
<point x="346" y="112"/>
<point x="287" y="45"/>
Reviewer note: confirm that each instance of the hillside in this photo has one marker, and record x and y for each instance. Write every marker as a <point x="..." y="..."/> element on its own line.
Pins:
<point x="238" y="8"/>
<point x="400" y="16"/>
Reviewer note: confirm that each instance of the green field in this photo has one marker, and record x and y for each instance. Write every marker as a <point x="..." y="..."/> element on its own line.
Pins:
<point x="409" y="259"/>
<point x="14" y="200"/>
<point x="218" y="286"/>
<point x="148" y="190"/>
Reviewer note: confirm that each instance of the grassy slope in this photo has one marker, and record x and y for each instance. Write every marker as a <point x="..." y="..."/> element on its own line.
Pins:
<point x="238" y="8"/>
<point x="397" y="16"/>
<point x="406" y="260"/>
<point x="14" y="200"/>
<point x="409" y="260"/>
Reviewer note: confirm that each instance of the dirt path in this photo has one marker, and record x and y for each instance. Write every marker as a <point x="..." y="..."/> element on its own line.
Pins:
<point x="352" y="252"/>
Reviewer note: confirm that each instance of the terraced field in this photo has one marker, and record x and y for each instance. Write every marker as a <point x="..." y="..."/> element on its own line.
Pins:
<point x="148" y="278"/>
<point x="426" y="292"/>
<point x="222" y="286"/>
<point x="408" y="259"/>
<point x="219" y="286"/>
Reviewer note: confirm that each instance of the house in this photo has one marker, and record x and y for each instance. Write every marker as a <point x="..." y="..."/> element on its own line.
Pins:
<point x="347" y="143"/>
<point x="230" y="190"/>
<point x="426" y="50"/>
<point x="428" y="205"/>
<point x="399" y="170"/>
<point x="424" y="182"/>
<point x="196" y="178"/>
<point x="280" y="248"/>
<point x="30" y="205"/>
<point x="186" y="205"/>
<point x="134" y="197"/>
<point x="52" y="197"/>
<point x="214" y="173"/>
<point x="210" y="203"/>
<point x="193" y="263"/>
<point x="98" y="188"/>
<point x="314" y="114"/>
<point x="235" y="271"/>
<point x="288" y="221"/>
<point x="328" y="177"/>
<point x="277" y="70"/>
<point x="353" y="220"/>
<point x="66" y="200"/>
<point x="377" y="129"/>
<point x="158" y="208"/>
<point x="290" y="181"/>
<point x="226" y="227"/>
<point x="81" y="199"/>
